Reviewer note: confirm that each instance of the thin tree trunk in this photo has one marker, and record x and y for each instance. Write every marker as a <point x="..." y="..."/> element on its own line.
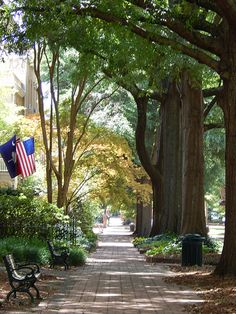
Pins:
<point x="157" y="209"/>
<point x="38" y="53"/>
<point x="145" y="159"/>
<point x="157" y="189"/>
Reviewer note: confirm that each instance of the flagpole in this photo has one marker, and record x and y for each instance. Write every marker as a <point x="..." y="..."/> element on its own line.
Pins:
<point x="15" y="183"/>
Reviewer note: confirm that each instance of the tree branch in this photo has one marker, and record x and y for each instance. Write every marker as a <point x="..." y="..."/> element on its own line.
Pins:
<point x="209" y="107"/>
<point x="201" y="24"/>
<point x="211" y="126"/>
<point x="89" y="115"/>
<point x="194" y="37"/>
<point x="194" y="53"/>
<point x="152" y="171"/>
<point x="212" y="91"/>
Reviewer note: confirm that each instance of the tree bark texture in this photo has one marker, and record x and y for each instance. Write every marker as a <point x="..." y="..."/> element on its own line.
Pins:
<point x="143" y="219"/>
<point x="193" y="214"/>
<point x="152" y="170"/>
<point x="227" y="101"/>
<point x="157" y="189"/>
<point x="172" y="149"/>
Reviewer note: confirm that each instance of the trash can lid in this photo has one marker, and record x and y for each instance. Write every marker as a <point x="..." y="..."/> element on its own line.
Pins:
<point x="195" y="236"/>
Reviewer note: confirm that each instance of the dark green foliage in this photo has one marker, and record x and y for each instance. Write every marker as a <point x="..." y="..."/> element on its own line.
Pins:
<point x="36" y="251"/>
<point x="89" y="242"/>
<point x="170" y="244"/>
<point x="77" y="256"/>
<point x="211" y="245"/>
<point x="161" y="237"/>
<point x="27" y="215"/>
<point x="138" y="241"/>
<point x="166" y="248"/>
<point x="85" y="215"/>
<point x="25" y="250"/>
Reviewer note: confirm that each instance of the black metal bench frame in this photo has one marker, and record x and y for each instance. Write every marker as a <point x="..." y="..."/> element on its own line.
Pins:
<point x="59" y="255"/>
<point x="21" y="277"/>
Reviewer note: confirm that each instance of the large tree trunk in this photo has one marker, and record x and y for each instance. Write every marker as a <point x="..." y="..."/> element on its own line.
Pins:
<point x="193" y="214"/>
<point x="143" y="219"/>
<point x="172" y="185"/>
<point x="227" y="264"/>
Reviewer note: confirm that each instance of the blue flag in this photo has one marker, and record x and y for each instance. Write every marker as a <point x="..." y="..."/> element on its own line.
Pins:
<point x="8" y="152"/>
<point x="29" y="146"/>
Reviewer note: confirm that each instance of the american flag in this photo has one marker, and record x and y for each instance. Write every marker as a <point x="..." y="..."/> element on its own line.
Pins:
<point x="25" y="157"/>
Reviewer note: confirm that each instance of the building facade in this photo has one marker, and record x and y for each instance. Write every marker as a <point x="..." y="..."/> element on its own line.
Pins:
<point x="19" y="86"/>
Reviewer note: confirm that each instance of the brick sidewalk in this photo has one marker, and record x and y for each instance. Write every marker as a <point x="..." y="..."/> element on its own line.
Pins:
<point x="116" y="279"/>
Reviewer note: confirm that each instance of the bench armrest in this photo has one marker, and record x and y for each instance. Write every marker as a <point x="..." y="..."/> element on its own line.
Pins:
<point x="35" y="267"/>
<point x="29" y="274"/>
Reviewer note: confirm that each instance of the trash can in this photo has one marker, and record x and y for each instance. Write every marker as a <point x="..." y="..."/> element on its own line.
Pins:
<point x="131" y="226"/>
<point x="192" y="250"/>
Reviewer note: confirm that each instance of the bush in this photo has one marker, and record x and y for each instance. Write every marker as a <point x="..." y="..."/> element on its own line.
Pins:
<point x="77" y="256"/>
<point x="138" y="241"/>
<point x="166" y="248"/>
<point x="27" y="215"/>
<point x="172" y="245"/>
<point x="211" y="245"/>
<point x="25" y="250"/>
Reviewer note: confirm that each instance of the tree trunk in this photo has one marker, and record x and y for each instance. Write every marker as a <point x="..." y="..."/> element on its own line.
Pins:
<point x="157" y="209"/>
<point x="157" y="189"/>
<point x="143" y="219"/>
<point x="138" y="223"/>
<point x="172" y="185"/>
<point x="193" y="214"/>
<point x="38" y="52"/>
<point x="227" y="264"/>
<point x="145" y="160"/>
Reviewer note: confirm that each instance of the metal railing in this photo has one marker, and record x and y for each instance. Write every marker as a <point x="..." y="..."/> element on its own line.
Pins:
<point x="68" y="232"/>
<point x="3" y="167"/>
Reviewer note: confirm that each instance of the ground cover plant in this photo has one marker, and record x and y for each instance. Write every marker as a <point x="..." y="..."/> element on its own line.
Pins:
<point x="170" y="244"/>
<point x="35" y="250"/>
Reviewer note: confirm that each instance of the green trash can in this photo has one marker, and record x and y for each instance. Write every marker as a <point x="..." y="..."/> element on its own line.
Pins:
<point x="192" y="250"/>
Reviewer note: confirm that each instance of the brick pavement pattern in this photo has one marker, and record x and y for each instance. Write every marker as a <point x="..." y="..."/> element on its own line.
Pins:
<point x="116" y="279"/>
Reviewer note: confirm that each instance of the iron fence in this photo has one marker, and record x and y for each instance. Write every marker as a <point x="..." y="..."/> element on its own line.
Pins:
<point x="68" y="232"/>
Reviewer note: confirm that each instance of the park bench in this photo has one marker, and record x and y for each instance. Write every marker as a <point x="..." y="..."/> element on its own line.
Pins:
<point x="21" y="277"/>
<point x="59" y="255"/>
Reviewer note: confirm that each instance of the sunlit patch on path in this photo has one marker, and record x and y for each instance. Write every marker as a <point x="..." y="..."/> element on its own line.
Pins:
<point x="116" y="279"/>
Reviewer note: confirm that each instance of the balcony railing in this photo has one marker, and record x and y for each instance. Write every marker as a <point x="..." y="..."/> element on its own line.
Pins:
<point x="3" y="167"/>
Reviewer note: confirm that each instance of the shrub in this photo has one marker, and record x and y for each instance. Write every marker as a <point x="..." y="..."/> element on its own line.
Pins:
<point x="26" y="215"/>
<point x="172" y="245"/>
<point x="211" y="245"/>
<point x="25" y="250"/>
<point x="138" y="241"/>
<point x="77" y="256"/>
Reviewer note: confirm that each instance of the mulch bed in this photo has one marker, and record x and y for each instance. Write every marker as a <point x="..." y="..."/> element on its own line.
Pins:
<point x="208" y="259"/>
<point x="46" y="284"/>
<point x="219" y="293"/>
